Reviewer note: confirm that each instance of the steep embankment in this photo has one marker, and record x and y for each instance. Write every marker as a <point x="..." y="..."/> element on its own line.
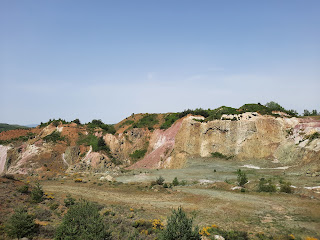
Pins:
<point x="139" y="143"/>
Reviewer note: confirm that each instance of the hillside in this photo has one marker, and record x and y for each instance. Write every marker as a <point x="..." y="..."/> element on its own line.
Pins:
<point x="6" y="127"/>
<point x="120" y="167"/>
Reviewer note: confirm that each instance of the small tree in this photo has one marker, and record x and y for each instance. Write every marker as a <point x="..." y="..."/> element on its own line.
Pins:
<point x="83" y="221"/>
<point x="20" y="224"/>
<point x="160" y="180"/>
<point x="37" y="193"/>
<point x="175" y="182"/>
<point x="242" y="178"/>
<point x="179" y="227"/>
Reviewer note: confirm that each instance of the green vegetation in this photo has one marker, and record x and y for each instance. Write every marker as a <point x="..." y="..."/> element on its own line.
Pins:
<point x="179" y="227"/>
<point x="24" y="138"/>
<point x="138" y="154"/>
<point x="160" y="180"/>
<point x="220" y="155"/>
<point x="20" y="224"/>
<point x="175" y="182"/>
<point x="83" y="221"/>
<point x="69" y="201"/>
<point x="23" y="189"/>
<point x="54" y="137"/>
<point x="314" y="112"/>
<point x="107" y="128"/>
<point x="6" y="127"/>
<point x="213" y="230"/>
<point x="37" y="193"/>
<point x="266" y="185"/>
<point x="169" y="120"/>
<point x="313" y="136"/>
<point x="241" y="178"/>
<point x="147" y="121"/>
<point x="286" y="187"/>
<point x="54" y="122"/>
<point x="128" y="122"/>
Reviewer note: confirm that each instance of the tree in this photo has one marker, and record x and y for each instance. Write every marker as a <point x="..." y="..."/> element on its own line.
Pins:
<point x="160" y="180"/>
<point x="242" y="178"/>
<point x="84" y="222"/>
<point x="77" y="121"/>
<point x="314" y="112"/>
<point x="179" y="227"/>
<point x="37" y="193"/>
<point x="306" y="112"/>
<point x="274" y="106"/>
<point x="175" y="182"/>
<point x="20" y="224"/>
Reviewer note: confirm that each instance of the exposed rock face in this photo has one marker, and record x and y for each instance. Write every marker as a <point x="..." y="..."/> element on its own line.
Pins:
<point x="246" y="137"/>
<point x="258" y="137"/>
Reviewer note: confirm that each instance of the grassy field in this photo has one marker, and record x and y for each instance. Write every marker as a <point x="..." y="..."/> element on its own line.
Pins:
<point x="206" y="194"/>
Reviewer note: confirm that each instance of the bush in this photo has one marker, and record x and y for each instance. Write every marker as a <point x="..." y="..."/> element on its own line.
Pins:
<point x="220" y="155"/>
<point x="147" y="121"/>
<point x="286" y="187"/>
<point x="169" y="120"/>
<point x="266" y="186"/>
<point x="160" y="180"/>
<point x="138" y="154"/>
<point x="175" y="182"/>
<point x="69" y="201"/>
<point x="83" y="221"/>
<point x="242" y="178"/>
<point x="23" y="189"/>
<point x="43" y="214"/>
<point x="179" y="227"/>
<point x="54" y="137"/>
<point x="20" y="224"/>
<point x="37" y="193"/>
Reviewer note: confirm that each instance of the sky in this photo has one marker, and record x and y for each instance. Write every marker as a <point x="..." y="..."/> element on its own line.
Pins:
<point x="108" y="59"/>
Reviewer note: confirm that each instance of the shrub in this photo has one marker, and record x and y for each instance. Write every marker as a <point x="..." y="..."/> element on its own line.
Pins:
<point x="179" y="226"/>
<point x="266" y="186"/>
<point x="220" y="155"/>
<point x="43" y="214"/>
<point x="20" y="224"/>
<point x="147" y="121"/>
<point x="83" y="221"/>
<point x="169" y="120"/>
<point x="23" y="189"/>
<point x="138" y="154"/>
<point x="37" y="193"/>
<point x="160" y="180"/>
<point x="175" y="182"/>
<point x="286" y="187"/>
<point x="69" y="201"/>
<point x="242" y="178"/>
<point x="54" y="137"/>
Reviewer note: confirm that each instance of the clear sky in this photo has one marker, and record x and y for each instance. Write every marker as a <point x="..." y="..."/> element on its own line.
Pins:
<point x="108" y="59"/>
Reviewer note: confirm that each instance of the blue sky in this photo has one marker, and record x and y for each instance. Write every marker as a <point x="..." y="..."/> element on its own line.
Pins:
<point x="108" y="59"/>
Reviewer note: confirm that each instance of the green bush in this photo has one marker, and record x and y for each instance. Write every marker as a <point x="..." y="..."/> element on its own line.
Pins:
<point x="147" y="121"/>
<point x="54" y="137"/>
<point x="179" y="227"/>
<point x="242" y="178"/>
<point x="23" y="189"/>
<point x="220" y="155"/>
<point x="169" y="120"/>
<point x="138" y="154"/>
<point x="286" y="187"/>
<point x="266" y="186"/>
<point x="69" y="201"/>
<point x="37" y="193"/>
<point x="83" y="221"/>
<point x="160" y="180"/>
<point x="175" y="182"/>
<point x="21" y="224"/>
